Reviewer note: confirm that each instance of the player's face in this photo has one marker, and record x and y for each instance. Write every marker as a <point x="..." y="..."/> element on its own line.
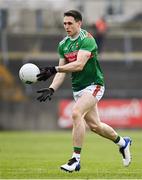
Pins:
<point x="71" y="26"/>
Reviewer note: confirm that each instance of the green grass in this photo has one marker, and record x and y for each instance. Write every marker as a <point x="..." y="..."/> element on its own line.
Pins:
<point x="38" y="155"/>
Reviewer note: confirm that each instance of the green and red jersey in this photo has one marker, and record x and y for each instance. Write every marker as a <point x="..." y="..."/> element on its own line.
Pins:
<point x="91" y="74"/>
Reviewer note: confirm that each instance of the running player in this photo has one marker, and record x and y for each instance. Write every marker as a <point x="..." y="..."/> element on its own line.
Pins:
<point x="79" y="56"/>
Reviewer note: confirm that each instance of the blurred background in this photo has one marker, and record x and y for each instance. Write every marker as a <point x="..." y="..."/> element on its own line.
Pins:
<point x="30" y="31"/>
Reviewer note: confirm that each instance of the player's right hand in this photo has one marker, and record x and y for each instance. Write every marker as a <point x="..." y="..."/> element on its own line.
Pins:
<point x="46" y="73"/>
<point x="46" y="93"/>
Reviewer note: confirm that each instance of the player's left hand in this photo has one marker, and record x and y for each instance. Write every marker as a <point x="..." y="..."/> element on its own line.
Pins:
<point x="46" y="73"/>
<point x="46" y="93"/>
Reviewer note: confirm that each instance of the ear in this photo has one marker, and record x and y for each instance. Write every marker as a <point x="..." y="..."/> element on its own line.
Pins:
<point x="80" y="23"/>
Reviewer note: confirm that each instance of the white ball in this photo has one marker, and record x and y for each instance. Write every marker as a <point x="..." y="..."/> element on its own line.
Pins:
<point x="28" y="73"/>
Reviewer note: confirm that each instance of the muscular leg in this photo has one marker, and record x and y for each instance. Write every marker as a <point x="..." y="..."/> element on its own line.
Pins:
<point x="81" y="107"/>
<point x="93" y="121"/>
<point x="86" y="108"/>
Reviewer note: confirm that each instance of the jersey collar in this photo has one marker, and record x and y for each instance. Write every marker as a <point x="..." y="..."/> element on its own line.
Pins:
<point x="73" y="39"/>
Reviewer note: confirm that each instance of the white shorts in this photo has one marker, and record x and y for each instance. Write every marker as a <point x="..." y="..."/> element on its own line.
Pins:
<point x="96" y="90"/>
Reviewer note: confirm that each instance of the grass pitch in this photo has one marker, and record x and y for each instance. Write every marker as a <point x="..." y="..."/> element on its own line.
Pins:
<point x="38" y="155"/>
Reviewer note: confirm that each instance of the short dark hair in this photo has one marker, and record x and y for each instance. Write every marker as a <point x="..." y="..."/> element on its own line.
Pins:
<point x="76" y="14"/>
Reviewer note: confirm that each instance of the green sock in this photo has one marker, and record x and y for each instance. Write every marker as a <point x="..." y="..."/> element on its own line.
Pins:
<point x="117" y="139"/>
<point x="77" y="150"/>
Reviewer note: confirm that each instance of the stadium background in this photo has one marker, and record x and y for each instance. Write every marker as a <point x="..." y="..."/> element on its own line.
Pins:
<point x="33" y="139"/>
<point x="30" y="32"/>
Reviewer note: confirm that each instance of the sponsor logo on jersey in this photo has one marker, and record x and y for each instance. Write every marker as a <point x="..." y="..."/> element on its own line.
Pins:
<point x="72" y="56"/>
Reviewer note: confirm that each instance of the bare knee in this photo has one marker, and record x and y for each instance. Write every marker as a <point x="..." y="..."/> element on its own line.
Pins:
<point x="76" y="114"/>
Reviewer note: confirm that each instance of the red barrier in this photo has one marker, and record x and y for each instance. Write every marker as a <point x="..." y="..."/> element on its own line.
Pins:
<point x="121" y="113"/>
<point x="117" y="113"/>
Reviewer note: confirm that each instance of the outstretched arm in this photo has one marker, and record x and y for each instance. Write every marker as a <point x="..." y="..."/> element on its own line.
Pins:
<point x="59" y="77"/>
<point x="46" y="93"/>
<point x="77" y="65"/>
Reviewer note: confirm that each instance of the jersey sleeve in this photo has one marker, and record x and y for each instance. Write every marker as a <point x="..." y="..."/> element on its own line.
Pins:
<point x="88" y="44"/>
<point x="60" y="51"/>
